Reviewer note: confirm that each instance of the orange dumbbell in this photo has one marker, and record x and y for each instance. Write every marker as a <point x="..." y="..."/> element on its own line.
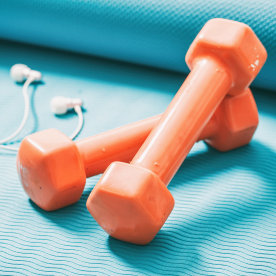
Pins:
<point x="131" y="201"/>
<point x="53" y="169"/>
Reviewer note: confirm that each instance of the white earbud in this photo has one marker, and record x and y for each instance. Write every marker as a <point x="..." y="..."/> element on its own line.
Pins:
<point x="60" y="105"/>
<point x="21" y="72"/>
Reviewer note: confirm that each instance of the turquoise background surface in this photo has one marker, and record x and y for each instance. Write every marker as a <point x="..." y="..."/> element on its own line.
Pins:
<point x="223" y="222"/>
<point x="152" y="32"/>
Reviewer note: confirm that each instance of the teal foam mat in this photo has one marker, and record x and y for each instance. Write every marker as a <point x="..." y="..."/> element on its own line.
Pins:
<point x="152" y="32"/>
<point x="223" y="222"/>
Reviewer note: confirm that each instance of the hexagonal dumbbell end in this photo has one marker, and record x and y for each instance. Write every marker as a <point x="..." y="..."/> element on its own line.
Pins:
<point x="237" y="119"/>
<point x="235" y="44"/>
<point x="130" y="203"/>
<point x="50" y="169"/>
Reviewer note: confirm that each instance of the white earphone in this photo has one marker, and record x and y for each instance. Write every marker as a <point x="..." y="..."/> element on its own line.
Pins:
<point x="21" y="72"/>
<point x="59" y="105"/>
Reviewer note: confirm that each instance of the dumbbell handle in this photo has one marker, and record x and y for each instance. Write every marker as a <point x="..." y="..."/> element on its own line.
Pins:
<point x="180" y="126"/>
<point x="121" y="144"/>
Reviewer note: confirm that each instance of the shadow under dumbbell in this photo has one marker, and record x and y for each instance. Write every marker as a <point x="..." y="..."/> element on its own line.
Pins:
<point x="209" y="215"/>
<point x="75" y="217"/>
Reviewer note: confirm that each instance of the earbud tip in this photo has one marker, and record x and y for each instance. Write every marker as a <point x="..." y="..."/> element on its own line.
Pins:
<point x="18" y="72"/>
<point x="59" y="105"/>
<point x="36" y="75"/>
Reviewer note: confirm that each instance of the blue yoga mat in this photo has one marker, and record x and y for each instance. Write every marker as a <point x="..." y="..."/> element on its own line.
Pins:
<point x="224" y="218"/>
<point x="152" y="32"/>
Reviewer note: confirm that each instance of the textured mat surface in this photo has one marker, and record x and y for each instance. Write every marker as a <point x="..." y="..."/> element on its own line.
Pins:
<point x="152" y="32"/>
<point x="225" y="213"/>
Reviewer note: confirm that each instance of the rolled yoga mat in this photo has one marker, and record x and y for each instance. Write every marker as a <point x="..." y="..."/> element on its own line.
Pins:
<point x="150" y="32"/>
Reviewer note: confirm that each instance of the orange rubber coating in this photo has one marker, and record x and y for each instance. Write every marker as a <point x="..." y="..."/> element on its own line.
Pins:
<point x="121" y="144"/>
<point x="53" y="169"/>
<point x="130" y="201"/>
<point x="184" y="119"/>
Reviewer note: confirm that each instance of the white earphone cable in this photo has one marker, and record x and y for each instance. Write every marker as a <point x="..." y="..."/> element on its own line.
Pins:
<point x="78" y="110"/>
<point x="4" y="147"/>
<point x="26" y="112"/>
<point x="72" y="136"/>
<point x="19" y="72"/>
